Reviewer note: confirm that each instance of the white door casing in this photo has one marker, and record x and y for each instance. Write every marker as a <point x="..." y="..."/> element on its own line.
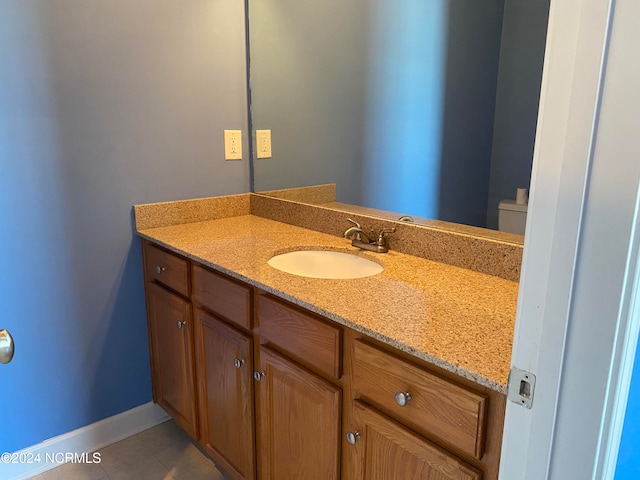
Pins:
<point x="572" y="320"/>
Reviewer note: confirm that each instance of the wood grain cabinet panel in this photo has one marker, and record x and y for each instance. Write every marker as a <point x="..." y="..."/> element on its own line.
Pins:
<point x="172" y="362"/>
<point x="384" y="449"/>
<point x="266" y="402"/>
<point x="229" y="299"/>
<point x="309" y="340"/>
<point x="165" y="268"/>
<point x="300" y="418"/>
<point x="225" y="382"/>
<point x="437" y="406"/>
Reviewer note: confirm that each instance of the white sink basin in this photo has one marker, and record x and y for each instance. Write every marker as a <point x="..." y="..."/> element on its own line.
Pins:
<point x="325" y="264"/>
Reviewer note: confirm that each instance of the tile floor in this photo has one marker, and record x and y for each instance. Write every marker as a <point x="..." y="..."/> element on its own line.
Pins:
<point x="164" y="452"/>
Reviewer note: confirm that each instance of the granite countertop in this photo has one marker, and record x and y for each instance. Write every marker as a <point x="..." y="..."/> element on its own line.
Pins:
<point x="458" y="319"/>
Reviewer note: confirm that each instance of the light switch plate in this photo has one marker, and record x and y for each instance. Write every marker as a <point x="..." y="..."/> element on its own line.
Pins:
<point x="233" y="144"/>
<point x="263" y="143"/>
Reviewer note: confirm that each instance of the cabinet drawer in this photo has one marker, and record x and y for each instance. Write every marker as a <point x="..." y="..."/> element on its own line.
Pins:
<point x="166" y="268"/>
<point x="226" y="298"/>
<point x="311" y="341"/>
<point x="436" y="406"/>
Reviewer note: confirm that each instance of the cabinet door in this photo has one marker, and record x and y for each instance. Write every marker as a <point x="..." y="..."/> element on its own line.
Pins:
<point x="299" y="428"/>
<point x="224" y="366"/>
<point x="170" y="332"/>
<point x="386" y="450"/>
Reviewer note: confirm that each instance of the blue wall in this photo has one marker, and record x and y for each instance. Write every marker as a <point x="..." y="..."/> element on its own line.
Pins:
<point x="473" y="47"/>
<point x="524" y="33"/>
<point x="628" y="467"/>
<point x="103" y="104"/>
<point x="394" y="102"/>
<point x="404" y="103"/>
<point x="431" y="88"/>
<point x="307" y="87"/>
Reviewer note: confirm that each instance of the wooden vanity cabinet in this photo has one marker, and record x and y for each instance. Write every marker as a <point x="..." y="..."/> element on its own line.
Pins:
<point x="299" y="393"/>
<point x="171" y="351"/>
<point x="275" y="392"/>
<point x="224" y="364"/>
<point x="225" y="384"/>
<point x="407" y="413"/>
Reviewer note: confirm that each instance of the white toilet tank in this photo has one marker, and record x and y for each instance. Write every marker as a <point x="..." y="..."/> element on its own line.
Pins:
<point x="512" y="217"/>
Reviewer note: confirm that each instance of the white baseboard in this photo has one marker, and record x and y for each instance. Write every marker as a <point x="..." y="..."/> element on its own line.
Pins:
<point x="83" y="440"/>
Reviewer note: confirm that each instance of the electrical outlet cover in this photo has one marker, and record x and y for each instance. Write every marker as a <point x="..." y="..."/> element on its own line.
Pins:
<point x="263" y="143"/>
<point x="233" y="144"/>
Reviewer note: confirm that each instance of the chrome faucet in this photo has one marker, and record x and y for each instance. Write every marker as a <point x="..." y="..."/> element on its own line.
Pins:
<point x="368" y="242"/>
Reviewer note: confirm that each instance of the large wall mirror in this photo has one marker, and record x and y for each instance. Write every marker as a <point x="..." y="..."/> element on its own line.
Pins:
<point x="423" y="107"/>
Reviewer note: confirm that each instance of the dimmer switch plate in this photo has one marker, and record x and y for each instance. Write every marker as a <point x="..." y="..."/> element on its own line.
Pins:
<point x="233" y="144"/>
<point x="263" y="143"/>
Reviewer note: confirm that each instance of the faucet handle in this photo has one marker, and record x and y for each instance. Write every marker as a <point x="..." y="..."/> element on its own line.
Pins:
<point x="381" y="238"/>
<point x="356" y="224"/>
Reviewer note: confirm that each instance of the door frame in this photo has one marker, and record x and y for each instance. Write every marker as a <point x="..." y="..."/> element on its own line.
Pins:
<point x="560" y="278"/>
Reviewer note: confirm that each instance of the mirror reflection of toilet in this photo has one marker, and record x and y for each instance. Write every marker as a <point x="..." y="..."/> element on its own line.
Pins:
<point x="512" y="214"/>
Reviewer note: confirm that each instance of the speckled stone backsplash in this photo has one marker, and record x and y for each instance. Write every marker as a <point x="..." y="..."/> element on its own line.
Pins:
<point x="163" y="214"/>
<point x="493" y="256"/>
<point x="316" y="194"/>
